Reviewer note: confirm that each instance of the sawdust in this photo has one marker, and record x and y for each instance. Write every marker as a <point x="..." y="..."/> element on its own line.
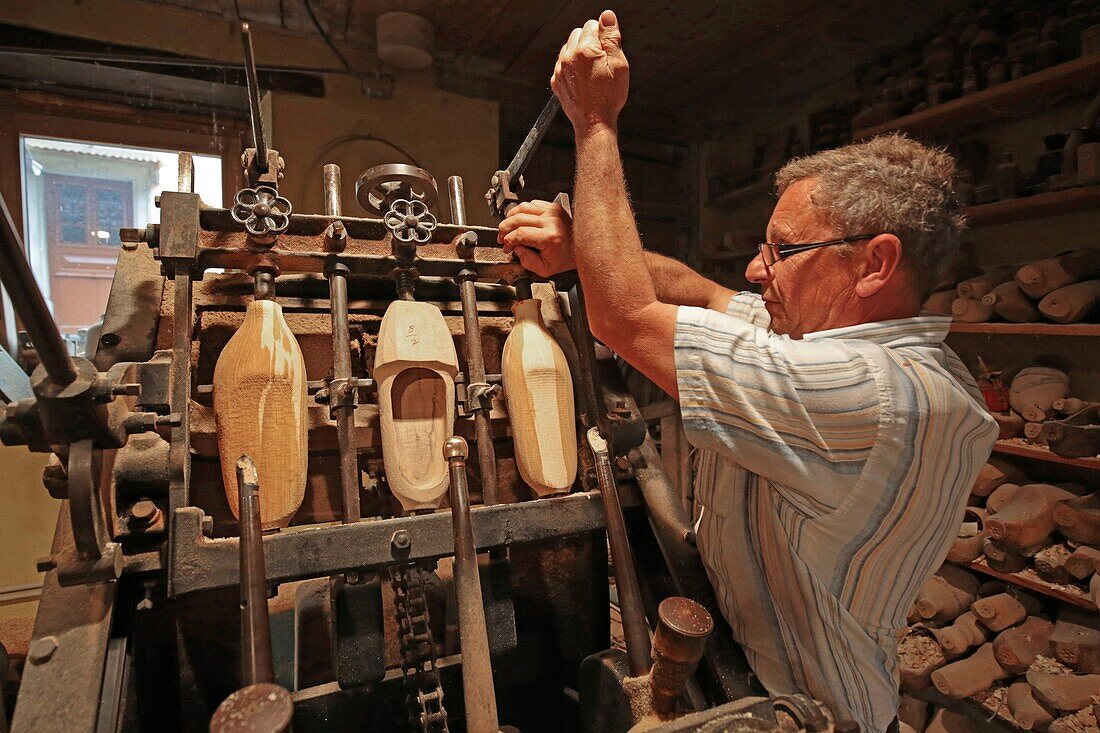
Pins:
<point x="1083" y="721"/>
<point x="1050" y="666"/>
<point x="995" y="700"/>
<point x="919" y="651"/>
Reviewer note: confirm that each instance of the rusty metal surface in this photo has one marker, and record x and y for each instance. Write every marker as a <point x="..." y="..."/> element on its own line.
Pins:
<point x="682" y="630"/>
<point x="133" y="308"/>
<point x="60" y="690"/>
<point x="199" y="563"/>
<point x="259" y="708"/>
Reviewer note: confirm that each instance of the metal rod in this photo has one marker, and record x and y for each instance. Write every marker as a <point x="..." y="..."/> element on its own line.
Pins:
<point x="26" y="297"/>
<point x="475" y="366"/>
<point x="256" y="661"/>
<point x="586" y="353"/>
<point x="254" y="99"/>
<point x="635" y="629"/>
<point x="534" y="137"/>
<point x="332" y="190"/>
<point x="263" y="284"/>
<point x="342" y="397"/>
<point x="477" y="669"/>
<point x="457" y="195"/>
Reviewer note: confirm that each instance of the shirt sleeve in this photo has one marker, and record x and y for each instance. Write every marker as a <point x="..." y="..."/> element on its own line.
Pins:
<point x="804" y="414"/>
<point x="749" y="307"/>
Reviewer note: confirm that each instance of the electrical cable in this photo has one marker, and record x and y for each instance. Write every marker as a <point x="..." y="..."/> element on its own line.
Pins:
<point x="327" y="39"/>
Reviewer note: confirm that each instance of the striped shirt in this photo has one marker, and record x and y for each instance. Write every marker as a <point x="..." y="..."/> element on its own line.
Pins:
<point x="831" y="478"/>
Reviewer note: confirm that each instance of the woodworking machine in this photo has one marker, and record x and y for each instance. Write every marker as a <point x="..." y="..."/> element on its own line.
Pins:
<point x="152" y="610"/>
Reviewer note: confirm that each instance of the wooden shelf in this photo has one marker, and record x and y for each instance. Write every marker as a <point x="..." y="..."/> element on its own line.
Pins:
<point x="1054" y="203"/>
<point x="1029" y="329"/>
<point x="1028" y="580"/>
<point x="1017" y="447"/>
<point x="1004" y="100"/>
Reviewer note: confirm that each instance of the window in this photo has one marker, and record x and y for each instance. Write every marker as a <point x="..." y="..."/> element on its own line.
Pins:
<point x="77" y="196"/>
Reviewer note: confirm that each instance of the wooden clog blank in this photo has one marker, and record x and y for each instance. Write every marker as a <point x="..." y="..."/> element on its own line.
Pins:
<point x="260" y="409"/>
<point x="538" y="390"/>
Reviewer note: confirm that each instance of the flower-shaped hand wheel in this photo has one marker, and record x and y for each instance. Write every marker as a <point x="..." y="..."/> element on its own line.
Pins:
<point x="410" y="221"/>
<point x="263" y="212"/>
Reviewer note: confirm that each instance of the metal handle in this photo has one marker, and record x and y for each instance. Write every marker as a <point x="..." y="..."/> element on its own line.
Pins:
<point x="256" y="661"/>
<point x="26" y="297"/>
<point x="254" y="99"/>
<point x="477" y="669"/>
<point x="635" y="628"/>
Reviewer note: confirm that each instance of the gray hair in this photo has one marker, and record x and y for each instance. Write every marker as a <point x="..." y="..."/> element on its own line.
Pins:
<point x="889" y="183"/>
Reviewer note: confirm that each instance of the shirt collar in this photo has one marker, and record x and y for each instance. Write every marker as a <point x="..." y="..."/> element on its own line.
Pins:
<point x="925" y="329"/>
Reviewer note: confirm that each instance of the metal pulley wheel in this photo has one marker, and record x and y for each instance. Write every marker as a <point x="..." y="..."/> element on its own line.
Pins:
<point x="379" y="187"/>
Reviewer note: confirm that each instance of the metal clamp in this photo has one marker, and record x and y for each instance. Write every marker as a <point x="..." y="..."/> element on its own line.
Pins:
<point x="479" y="396"/>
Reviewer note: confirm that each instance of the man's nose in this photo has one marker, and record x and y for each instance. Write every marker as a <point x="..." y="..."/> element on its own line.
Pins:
<point x="757" y="271"/>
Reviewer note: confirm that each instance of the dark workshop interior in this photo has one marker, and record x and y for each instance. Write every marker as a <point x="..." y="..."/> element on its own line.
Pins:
<point x="355" y="374"/>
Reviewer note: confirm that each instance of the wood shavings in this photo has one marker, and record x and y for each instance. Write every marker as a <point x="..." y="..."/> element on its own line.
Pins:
<point x="1050" y="666"/>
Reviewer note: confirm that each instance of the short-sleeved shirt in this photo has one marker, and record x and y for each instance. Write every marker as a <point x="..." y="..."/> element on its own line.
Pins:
<point x="831" y="478"/>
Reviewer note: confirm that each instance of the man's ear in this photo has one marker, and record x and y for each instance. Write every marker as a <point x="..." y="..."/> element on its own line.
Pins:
<point x="879" y="264"/>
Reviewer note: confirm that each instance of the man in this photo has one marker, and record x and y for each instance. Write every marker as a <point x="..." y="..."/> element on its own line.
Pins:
<point x="838" y="435"/>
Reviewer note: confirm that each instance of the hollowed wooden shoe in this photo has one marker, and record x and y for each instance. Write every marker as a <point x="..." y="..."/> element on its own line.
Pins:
<point x="415" y="367"/>
<point x="538" y="390"/>
<point x="260" y="409"/>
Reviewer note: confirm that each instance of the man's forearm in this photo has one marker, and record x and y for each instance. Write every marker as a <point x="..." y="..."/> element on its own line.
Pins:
<point x="676" y="283"/>
<point x="623" y="309"/>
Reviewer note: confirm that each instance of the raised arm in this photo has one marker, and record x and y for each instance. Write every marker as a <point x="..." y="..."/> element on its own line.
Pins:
<point x="591" y="79"/>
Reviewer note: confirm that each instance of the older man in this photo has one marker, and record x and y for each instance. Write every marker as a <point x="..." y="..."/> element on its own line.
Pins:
<point x="838" y="435"/>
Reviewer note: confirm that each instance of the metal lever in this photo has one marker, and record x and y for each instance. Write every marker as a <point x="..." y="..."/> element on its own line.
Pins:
<point x="27" y="299"/>
<point x="635" y="628"/>
<point x="477" y="669"/>
<point x="260" y="704"/>
<point x="260" y="161"/>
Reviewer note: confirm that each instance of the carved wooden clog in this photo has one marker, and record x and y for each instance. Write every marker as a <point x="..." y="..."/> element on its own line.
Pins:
<point x="260" y="409"/>
<point x="415" y="367"/>
<point x="1045" y="276"/>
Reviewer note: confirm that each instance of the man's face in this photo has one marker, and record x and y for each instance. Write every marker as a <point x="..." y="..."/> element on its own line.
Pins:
<point x="802" y="292"/>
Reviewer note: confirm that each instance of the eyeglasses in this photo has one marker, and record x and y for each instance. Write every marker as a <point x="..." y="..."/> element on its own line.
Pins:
<point x="773" y="253"/>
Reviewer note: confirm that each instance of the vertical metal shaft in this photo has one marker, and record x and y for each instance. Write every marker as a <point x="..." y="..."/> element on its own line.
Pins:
<point x="263" y="285"/>
<point x="256" y="661"/>
<point x="475" y="356"/>
<point x="477" y="669"/>
<point x="26" y="297"/>
<point x="456" y="193"/>
<point x="635" y="629"/>
<point x="254" y="99"/>
<point x="332" y="190"/>
<point x="342" y="397"/>
<point x="475" y="366"/>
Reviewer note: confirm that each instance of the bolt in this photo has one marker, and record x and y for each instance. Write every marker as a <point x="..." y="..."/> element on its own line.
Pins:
<point x="46" y="564"/>
<point x="261" y="209"/>
<point x="144" y="512"/>
<point x="401" y="540"/>
<point x="41" y="650"/>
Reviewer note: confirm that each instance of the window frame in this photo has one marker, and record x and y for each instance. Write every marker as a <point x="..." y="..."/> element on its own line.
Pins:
<point x="37" y="114"/>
